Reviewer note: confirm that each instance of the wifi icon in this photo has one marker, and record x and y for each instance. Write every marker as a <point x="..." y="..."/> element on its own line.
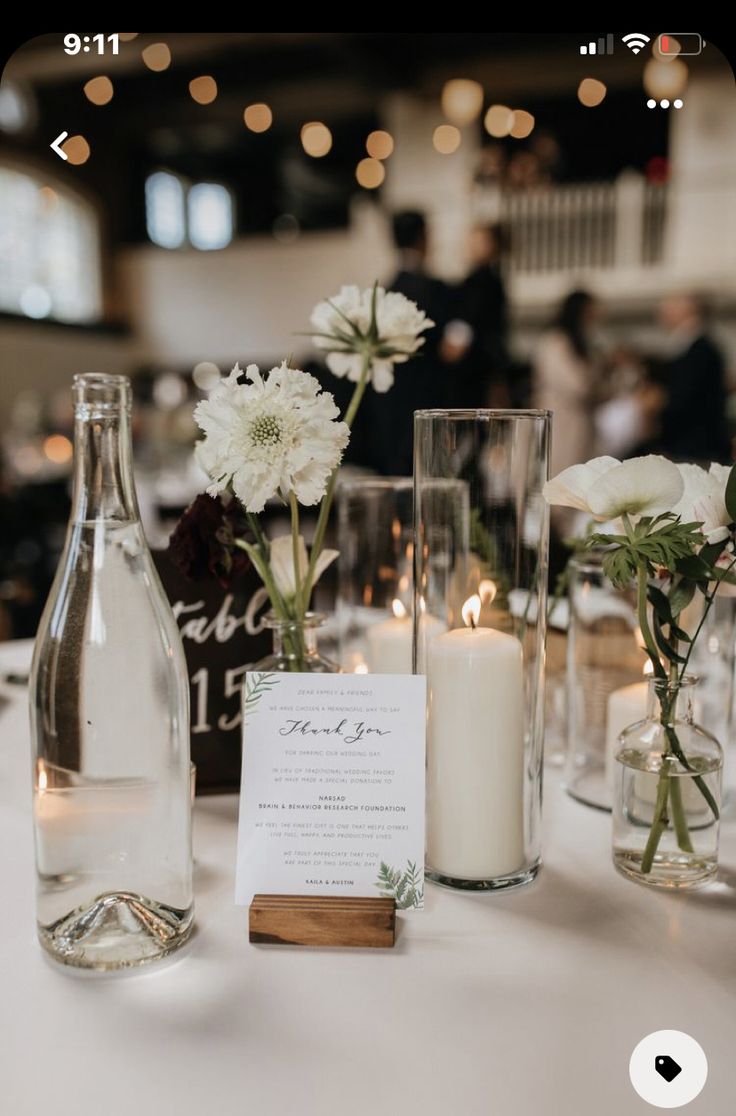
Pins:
<point x="636" y="41"/>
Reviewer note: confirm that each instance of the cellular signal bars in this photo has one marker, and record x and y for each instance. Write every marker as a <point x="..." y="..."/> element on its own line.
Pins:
<point x="603" y="46"/>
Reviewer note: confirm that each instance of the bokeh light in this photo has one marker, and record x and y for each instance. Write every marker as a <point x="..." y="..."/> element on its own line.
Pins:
<point x="665" y="79"/>
<point x="203" y="89"/>
<point x="99" y="90"/>
<point x="523" y="125"/>
<point x="49" y="199"/>
<point x="206" y="375"/>
<point x="35" y="301"/>
<point x="379" y="145"/>
<point x="462" y="100"/>
<point x="446" y="139"/>
<point x="76" y="149"/>
<point x="370" y="173"/>
<point x="316" y="139"/>
<point x="157" y="57"/>
<point x="258" y="117"/>
<point x="58" y="449"/>
<point x="591" y="92"/>
<point x="499" y="121"/>
<point x="286" y="228"/>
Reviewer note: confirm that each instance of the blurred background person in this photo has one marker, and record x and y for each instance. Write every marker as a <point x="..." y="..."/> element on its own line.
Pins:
<point x="479" y="347"/>
<point x="567" y="380"/>
<point x="692" y="420"/>
<point x="388" y="418"/>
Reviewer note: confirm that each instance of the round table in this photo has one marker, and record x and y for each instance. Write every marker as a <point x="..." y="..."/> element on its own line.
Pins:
<point x="515" y="1004"/>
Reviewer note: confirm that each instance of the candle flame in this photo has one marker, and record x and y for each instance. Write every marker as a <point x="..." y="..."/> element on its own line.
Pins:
<point x="471" y="611"/>
<point x="487" y="591"/>
<point x="404" y="584"/>
<point x="396" y="529"/>
<point x="398" y="609"/>
<point x="43" y="779"/>
<point x="361" y="668"/>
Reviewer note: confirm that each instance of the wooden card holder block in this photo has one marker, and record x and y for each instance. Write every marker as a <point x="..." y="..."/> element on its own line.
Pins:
<point x="322" y="921"/>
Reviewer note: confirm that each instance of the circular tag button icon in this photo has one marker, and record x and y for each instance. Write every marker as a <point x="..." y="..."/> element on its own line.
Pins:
<point x="668" y="1069"/>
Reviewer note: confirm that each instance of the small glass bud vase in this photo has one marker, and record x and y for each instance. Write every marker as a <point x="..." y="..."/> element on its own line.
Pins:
<point x="667" y="796"/>
<point x="295" y="646"/>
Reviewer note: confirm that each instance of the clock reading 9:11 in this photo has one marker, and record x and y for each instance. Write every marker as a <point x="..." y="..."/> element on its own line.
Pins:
<point x="102" y="43"/>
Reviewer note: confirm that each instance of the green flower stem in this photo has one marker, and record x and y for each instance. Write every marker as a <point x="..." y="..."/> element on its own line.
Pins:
<point x="326" y="505"/>
<point x="298" y="603"/>
<point x="679" y="817"/>
<point x="297" y="635"/>
<point x="667" y="789"/>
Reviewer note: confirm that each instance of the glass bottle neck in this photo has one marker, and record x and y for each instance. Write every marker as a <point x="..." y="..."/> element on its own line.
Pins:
<point x="103" y="462"/>
<point x="295" y="640"/>
<point x="671" y="701"/>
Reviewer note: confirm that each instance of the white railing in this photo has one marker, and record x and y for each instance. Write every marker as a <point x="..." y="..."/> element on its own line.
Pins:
<point x="591" y="226"/>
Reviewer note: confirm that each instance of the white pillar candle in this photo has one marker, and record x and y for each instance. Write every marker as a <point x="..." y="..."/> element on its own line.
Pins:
<point x="390" y="641"/>
<point x="475" y="754"/>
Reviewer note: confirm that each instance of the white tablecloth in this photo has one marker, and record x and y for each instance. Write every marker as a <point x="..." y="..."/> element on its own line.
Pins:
<point x="509" y="1005"/>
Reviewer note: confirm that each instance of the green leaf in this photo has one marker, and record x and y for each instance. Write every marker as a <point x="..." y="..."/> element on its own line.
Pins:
<point x="662" y="643"/>
<point x="731" y="494"/>
<point x="681" y="595"/>
<point x="660" y="603"/>
<point x="693" y="567"/>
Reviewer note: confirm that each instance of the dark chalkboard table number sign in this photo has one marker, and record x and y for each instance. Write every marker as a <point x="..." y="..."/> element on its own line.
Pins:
<point x="222" y="635"/>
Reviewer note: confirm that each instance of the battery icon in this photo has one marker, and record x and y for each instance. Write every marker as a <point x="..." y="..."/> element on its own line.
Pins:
<point x="684" y="43"/>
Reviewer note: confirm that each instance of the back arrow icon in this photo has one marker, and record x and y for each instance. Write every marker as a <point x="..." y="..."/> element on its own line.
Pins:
<point x="55" y="146"/>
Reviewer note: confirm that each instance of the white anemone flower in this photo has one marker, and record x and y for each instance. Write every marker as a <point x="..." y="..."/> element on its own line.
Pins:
<point x="282" y="564"/>
<point x="274" y="435"/>
<point x="704" y="500"/>
<point x="374" y="325"/>
<point x="608" y="489"/>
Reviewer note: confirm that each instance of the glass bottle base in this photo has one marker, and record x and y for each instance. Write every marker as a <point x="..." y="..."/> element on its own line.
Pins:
<point x="671" y="871"/>
<point x="119" y="930"/>
<point x="498" y="883"/>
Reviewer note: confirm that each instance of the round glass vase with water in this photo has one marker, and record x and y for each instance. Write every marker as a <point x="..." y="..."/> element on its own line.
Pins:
<point x="667" y="794"/>
<point x="295" y="646"/>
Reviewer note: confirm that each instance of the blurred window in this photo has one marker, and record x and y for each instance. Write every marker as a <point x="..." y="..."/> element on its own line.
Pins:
<point x="165" y="218"/>
<point x="50" y="249"/>
<point x="210" y="215"/>
<point x="178" y="212"/>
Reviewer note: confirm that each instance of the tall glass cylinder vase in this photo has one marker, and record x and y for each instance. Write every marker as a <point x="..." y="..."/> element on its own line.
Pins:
<point x="375" y="528"/>
<point x="110" y="720"/>
<point x="481" y="553"/>
<point x="606" y="686"/>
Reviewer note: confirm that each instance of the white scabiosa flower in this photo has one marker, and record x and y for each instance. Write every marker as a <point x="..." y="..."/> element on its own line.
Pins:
<point x="278" y="434"/>
<point x="282" y="564"/>
<point x="371" y="327"/>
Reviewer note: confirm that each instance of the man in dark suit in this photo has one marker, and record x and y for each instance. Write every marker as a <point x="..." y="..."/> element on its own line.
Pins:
<point x="422" y="382"/>
<point x="693" y="423"/>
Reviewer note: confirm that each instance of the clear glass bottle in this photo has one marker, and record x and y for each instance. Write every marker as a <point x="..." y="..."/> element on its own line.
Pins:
<point x="109" y="720"/>
<point x="295" y="646"/>
<point x="667" y="797"/>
